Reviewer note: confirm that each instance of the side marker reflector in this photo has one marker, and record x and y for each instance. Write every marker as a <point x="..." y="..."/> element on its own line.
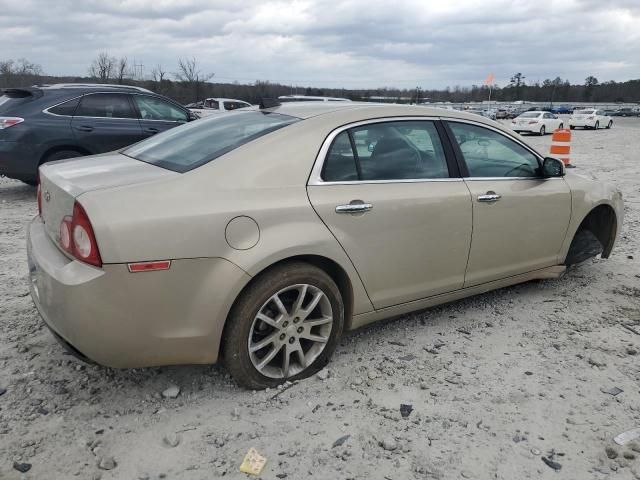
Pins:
<point x="149" y="266"/>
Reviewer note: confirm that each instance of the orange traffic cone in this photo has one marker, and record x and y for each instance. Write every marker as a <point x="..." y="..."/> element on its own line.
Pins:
<point x="561" y="145"/>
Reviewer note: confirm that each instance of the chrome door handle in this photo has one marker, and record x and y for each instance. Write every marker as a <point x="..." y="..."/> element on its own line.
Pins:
<point x="489" y="197"/>
<point x="356" y="206"/>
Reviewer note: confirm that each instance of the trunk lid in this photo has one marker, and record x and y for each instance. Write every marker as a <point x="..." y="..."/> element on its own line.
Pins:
<point x="63" y="181"/>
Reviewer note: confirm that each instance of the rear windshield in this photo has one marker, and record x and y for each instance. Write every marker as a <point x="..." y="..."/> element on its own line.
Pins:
<point x="530" y="115"/>
<point x="12" y="99"/>
<point x="189" y="146"/>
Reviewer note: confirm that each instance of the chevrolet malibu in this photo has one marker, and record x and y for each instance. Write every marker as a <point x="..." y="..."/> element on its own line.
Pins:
<point x="257" y="238"/>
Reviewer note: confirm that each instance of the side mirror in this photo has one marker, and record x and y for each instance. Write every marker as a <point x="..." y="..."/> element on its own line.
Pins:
<point x="552" y="167"/>
<point x="193" y="116"/>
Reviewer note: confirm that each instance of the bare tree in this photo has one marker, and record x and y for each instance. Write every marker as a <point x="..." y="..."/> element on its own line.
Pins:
<point x="158" y="73"/>
<point x="190" y="73"/>
<point x="19" y="73"/>
<point x="103" y="67"/>
<point x="122" y="69"/>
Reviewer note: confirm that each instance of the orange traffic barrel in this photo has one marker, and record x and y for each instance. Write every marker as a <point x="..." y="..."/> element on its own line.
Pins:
<point x="561" y="145"/>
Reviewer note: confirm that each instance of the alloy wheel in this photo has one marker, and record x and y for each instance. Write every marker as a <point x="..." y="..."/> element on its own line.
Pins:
<point x="290" y="331"/>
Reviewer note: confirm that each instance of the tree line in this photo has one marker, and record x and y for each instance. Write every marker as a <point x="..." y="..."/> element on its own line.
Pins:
<point x="189" y="83"/>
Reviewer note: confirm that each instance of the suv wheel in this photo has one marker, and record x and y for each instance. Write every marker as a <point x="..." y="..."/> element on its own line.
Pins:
<point x="284" y="326"/>
<point x="61" y="155"/>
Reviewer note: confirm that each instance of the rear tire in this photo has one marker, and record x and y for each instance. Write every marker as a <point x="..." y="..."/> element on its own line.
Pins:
<point x="572" y="127"/>
<point x="62" y="155"/>
<point x="561" y="126"/>
<point x="246" y="325"/>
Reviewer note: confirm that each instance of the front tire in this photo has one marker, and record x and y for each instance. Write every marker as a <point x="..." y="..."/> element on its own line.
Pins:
<point x="596" y="126"/>
<point x="610" y="124"/>
<point x="284" y="326"/>
<point x="561" y="126"/>
<point x="542" y="131"/>
<point x="572" y="127"/>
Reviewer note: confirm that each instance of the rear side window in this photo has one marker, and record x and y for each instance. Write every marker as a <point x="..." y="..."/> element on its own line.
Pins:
<point x="66" y="109"/>
<point x="105" y="105"/>
<point x="401" y="150"/>
<point x="234" y="105"/>
<point x="152" y="108"/>
<point x="189" y="146"/>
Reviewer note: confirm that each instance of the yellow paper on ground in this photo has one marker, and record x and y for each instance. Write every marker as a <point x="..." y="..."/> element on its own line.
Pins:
<point x="253" y="462"/>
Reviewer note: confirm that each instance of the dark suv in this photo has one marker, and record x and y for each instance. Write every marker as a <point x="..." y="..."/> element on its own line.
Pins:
<point x="45" y="123"/>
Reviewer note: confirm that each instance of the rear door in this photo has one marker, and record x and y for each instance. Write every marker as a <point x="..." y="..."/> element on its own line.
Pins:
<point x="157" y="115"/>
<point x="385" y="191"/>
<point x="519" y="218"/>
<point x="105" y="121"/>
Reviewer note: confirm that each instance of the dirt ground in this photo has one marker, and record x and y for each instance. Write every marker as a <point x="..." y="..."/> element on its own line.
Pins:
<point x="497" y="382"/>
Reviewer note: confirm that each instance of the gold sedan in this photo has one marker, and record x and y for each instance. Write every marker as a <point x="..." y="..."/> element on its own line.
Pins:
<point x="256" y="238"/>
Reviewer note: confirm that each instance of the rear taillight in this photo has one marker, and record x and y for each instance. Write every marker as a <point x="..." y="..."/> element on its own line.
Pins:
<point x="6" y="122"/>
<point x="77" y="237"/>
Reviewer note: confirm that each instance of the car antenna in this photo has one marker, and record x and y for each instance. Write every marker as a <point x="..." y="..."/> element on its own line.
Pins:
<point x="269" y="103"/>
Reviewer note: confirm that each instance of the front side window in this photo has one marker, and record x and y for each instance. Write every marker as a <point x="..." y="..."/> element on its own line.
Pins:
<point x="189" y="146"/>
<point x="488" y="153"/>
<point x="400" y="150"/>
<point x="105" y="105"/>
<point x="152" y="108"/>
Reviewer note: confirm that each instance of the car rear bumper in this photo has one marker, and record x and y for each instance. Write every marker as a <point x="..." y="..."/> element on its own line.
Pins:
<point x="582" y="123"/>
<point x="122" y="319"/>
<point x="526" y="128"/>
<point x="18" y="160"/>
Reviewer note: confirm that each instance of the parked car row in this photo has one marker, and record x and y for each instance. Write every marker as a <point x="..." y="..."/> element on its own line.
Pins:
<point x="212" y="106"/>
<point x="541" y="122"/>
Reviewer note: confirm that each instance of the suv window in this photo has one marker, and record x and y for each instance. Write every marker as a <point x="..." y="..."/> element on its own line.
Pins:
<point x="105" y="105"/>
<point x="401" y="150"/>
<point x="66" y="109"/>
<point x="152" y="108"/>
<point x="488" y="153"/>
<point x="189" y="146"/>
<point x="210" y="103"/>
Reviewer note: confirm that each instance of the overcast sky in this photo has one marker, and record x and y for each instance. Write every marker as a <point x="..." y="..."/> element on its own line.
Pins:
<point x="359" y="43"/>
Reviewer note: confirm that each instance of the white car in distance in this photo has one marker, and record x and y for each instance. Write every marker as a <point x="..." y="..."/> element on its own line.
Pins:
<point x="590" y="118"/>
<point x="212" y="106"/>
<point x="536" y="122"/>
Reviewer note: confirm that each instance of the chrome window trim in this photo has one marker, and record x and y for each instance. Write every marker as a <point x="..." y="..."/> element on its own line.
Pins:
<point x="492" y="179"/>
<point x="46" y="110"/>
<point x="315" y="178"/>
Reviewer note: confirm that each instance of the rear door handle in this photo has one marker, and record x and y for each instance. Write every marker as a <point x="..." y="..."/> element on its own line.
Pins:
<point x="489" y="197"/>
<point x="355" y="206"/>
<point x="152" y="130"/>
<point x="85" y="128"/>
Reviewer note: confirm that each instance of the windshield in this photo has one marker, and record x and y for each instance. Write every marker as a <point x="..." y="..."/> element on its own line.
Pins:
<point x="189" y="146"/>
<point x="530" y="115"/>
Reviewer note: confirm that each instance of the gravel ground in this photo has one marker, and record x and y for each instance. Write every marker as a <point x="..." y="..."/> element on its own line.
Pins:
<point x="502" y="385"/>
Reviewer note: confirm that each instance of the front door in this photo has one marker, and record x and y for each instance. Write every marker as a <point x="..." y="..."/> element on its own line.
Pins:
<point x="105" y="121"/>
<point x="385" y="193"/>
<point x="519" y="219"/>
<point x="157" y="115"/>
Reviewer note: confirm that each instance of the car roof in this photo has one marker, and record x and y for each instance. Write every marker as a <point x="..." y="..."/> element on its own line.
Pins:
<point x="92" y="86"/>
<point x="368" y="110"/>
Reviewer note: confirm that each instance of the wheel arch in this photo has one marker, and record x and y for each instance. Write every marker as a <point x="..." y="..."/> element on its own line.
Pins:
<point x="329" y="266"/>
<point x="602" y="221"/>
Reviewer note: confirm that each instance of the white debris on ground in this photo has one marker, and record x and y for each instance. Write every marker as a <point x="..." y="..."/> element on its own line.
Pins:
<point x="514" y="384"/>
